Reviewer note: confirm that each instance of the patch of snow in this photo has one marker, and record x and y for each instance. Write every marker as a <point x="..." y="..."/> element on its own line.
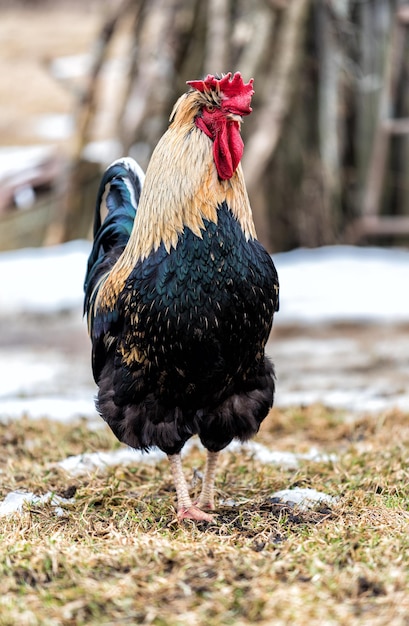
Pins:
<point x="369" y="398"/>
<point x="57" y="408"/>
<point x="43" y="280"/>
<point x="93" y="461"/>
<point x="71" y="66"/>
<point x="363" y="368"/>
<point x="16" y="162"/>
<point x="104" y="151"/>
<point x="304" y="499"/>
<point x="15" y="500"/>
<point x="228" y="502"/>
<point x="286" y="460"/>
<point x="75" y="66"/>
<point x="54" y="126"/>
<point x="24" y="197"/>
<point x="343" y="283"/>
<point x="22" y="371"/>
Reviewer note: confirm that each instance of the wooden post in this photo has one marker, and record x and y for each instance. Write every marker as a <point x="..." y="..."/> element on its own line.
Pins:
<point x="330" y="112"/>
<point x="275" y="107"/>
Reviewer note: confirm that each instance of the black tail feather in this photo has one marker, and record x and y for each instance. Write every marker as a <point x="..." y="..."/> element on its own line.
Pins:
<point x="119" y="191"/>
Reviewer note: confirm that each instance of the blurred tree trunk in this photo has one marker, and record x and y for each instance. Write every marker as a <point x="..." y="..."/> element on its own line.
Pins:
<point x="274" y="108"/>
<point x="217" y="42"/>
<point x="330" y="98"/>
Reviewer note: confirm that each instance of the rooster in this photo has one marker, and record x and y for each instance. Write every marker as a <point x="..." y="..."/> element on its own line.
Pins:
<point x="179" y="294"/>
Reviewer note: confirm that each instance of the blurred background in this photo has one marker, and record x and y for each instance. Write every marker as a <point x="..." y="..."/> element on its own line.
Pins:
<point x="326" y="165"/>
<point x="326" y="154"/>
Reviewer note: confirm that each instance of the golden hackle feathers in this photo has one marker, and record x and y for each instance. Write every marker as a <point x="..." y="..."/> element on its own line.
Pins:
<point x="181" y="190"/>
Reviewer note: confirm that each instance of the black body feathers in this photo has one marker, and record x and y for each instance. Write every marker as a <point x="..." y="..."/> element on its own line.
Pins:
<point x="180" y="349"/>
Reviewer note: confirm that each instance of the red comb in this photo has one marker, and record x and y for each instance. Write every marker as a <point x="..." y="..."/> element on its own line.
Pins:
<point x="230" y="87"/>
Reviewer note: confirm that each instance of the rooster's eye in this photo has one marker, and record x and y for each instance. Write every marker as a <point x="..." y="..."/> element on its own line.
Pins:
<point x="209" y="108"/>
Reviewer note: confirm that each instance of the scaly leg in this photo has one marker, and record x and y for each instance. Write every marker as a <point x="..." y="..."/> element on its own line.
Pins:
<point x="186" y="510"/>
<point x="206" y="498"/>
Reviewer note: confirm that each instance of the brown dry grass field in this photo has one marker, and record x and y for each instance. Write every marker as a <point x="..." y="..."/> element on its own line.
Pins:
<point x="115" y="553"/>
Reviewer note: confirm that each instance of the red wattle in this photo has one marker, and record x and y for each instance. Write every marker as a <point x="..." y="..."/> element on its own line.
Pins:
<point x="227" y="141"/>
<point x="227" y="150"/>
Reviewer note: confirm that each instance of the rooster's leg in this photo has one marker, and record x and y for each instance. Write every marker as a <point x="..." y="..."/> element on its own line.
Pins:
<point x="186" y="510"/>
<point x="206" y="498"/>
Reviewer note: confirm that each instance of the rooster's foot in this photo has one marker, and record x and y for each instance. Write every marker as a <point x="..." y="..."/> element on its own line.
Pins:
<point x="194" y="513"/>
<point x="205" y="504"/>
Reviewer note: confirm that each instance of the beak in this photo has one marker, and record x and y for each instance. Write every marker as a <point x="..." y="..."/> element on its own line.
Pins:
<point x="232" y="117"/>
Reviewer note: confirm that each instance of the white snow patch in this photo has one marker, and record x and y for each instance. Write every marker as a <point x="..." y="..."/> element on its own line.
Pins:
<point x="74" y="66"/>
<point x="15" y="500"/>
<point x="368" y="400"/>
<point x="58" y="408"/>
<point x="44" y="280"/>
<point x="54" y="126"/>
<point x="22" y="371"/>
<point x="17" y="162"/>
<point x="303" y="498"/>
<point x="104" y="151"/>
<point x="286" y="460"/>
<point x="93" y="461"/>
<point x="343" y="283"/>
<point x="71" y="66"/>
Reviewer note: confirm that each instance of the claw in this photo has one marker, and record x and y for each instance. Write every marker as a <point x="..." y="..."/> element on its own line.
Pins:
<point x="194" y="513"/>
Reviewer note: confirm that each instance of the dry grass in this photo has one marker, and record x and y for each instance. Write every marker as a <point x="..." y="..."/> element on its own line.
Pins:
<point x="117" y="555"/>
